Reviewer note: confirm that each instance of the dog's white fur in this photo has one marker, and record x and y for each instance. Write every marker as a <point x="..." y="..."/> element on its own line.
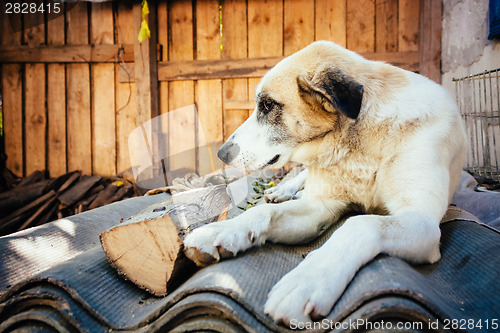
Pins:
<point x="399" y="160"/>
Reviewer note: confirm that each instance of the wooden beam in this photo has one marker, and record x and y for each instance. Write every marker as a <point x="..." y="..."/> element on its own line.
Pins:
<point x="408" y="60"/>
<point x="251" y="67"/>
<point x="65" y="53"/>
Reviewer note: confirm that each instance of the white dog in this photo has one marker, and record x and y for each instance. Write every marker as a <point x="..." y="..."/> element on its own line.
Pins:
<point x="375" y="138"/>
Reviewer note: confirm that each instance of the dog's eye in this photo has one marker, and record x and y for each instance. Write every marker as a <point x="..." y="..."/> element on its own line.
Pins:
<point x="267" y="105"/>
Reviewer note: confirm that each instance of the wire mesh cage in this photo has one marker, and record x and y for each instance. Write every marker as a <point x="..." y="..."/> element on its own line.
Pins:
<point x="478" y="98"/>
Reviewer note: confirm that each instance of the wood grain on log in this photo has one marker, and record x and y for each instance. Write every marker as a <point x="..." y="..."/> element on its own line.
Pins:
<point x="149" y="251"/>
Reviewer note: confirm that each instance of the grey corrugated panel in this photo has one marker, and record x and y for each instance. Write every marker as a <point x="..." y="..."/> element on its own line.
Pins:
<point x="61" y="268"/>
<point x="29" y="252"/>
<point x="462" y="285"/>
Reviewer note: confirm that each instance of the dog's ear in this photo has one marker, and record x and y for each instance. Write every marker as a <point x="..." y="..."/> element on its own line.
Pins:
<point x="333" y="89"/>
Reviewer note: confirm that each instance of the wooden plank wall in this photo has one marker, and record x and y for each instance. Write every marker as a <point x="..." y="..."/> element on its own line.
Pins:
<point x="73" y="108"/>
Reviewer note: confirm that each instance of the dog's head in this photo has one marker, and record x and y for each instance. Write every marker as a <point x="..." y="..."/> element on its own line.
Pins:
<point x="301" y="99"/>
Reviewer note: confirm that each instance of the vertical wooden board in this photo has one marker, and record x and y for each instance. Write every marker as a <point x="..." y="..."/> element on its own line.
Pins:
<point x="430" y="39"/>
<point x="208" y="37"/>
<point x="163" y="41"/>
<point x="79" y="118"/>
<point x="162" y="125"/>
<point x="208" y="92"/>
<point x="145" y="58"/>
<point x="163" y="30"/>
<point x="56" y="106"/>
<point x="13" y="116"/>
<point x="103" y="120"/>
<point x="234" y="46"/>
<point x="125" y="121"/>
<point x="125" y="92"/>
<point x="34" y="36"/>
<point x="78" y="108"/>
<point x="35" y="108"/>
<point x="331" y="21"/>
<point x="299" y="25"/>
<point x="234" y="89"/>
<point x="209" y="107"/>
<point x="35" y="118"/>
<point x="386" y="25"/>
<point x="9" y="34"/>
<point x="56" y="103"/>
<point x="103" y="94"/>
<point x="265" y="28"/>
<point x="101" y="23"/>
<point x="181" y="93"/>
<point x="12" y="91"/>
<point x="361" y="25"/>
<point x="265" y="33"/>
<point x="142" y="68"/>
<point x="77" y="24"/>
<point x="408" y="25"/>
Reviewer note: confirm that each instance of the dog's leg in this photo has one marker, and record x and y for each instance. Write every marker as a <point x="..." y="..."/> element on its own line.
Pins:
<point x="289" y="222"/>
<point x="310" y="290"/>
<point x="410" y="231"/>
<point x="288" y="190"/>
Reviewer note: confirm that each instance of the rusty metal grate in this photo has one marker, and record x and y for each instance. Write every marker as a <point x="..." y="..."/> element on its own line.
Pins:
<point x="478" y="99"/>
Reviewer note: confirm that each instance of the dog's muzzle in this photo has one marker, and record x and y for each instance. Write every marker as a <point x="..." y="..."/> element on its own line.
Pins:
<point x="228" y="152"/>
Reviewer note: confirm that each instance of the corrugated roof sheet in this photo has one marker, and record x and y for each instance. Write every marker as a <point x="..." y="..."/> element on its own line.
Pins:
<point x="56" y="277"/>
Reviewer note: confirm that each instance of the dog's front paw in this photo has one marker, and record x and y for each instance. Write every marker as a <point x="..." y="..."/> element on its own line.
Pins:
<point x="216" y="241"/>
<point x="305" y="294"/>
<point x="280" y="193"/>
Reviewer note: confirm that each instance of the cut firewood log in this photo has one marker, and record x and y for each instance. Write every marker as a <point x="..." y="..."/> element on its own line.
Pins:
<point x="149" y="251"/>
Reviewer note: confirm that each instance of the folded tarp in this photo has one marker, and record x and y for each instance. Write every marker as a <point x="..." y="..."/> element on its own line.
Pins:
<point x="482" y="203"/>
<point x="56" y="278"/>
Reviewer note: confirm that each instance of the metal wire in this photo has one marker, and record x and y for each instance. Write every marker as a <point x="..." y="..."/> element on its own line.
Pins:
<point x="478" y="99"/>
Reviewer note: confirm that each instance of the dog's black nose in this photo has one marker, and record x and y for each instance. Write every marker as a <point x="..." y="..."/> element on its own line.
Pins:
<point x="228" y="152"/>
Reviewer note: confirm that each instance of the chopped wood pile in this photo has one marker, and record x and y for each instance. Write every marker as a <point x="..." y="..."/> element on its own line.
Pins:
<point x="38" y="199"/>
